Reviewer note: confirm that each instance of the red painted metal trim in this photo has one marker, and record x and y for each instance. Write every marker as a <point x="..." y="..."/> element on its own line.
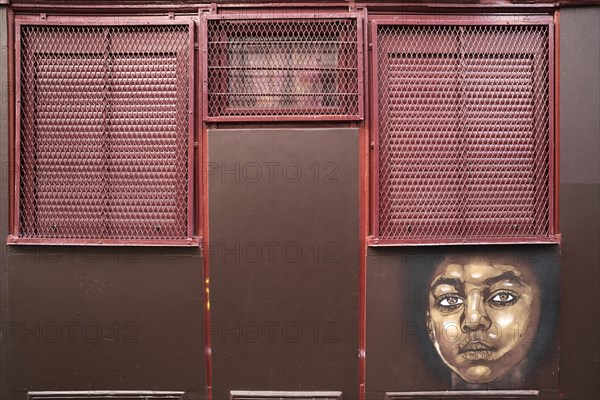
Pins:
<point x="204" y="63"/>
<point x="203" y="140"/>
<point x="12" y="171"/>
<point x="557" y="122"/>
<point x="206" y="265"/>
<point x="193" y="7"/>
<point x="374" y="145"/>
<point x="363" y="167"/>
<point x="189" y="242"/>
<point x="191" y="131"/>
<point x="93" y="20"/>
<point x="463" y="7"/>
<point x="17" y="129"/>
<point x="361" y="65"/>
<point x="308" y="5"/>
<point x="149" y="5"/>
<point x="281" y="15"/>
<point x="552" y="239"/>
<point x="551" y="144"/>
<point x="279" y="118"/>
<point x="199" y="122"/>
<point x="480" y="19"/>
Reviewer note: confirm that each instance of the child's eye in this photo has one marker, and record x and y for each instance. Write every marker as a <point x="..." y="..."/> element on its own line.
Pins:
<point x="503" y="299"/>
<point x="450" y="302"/>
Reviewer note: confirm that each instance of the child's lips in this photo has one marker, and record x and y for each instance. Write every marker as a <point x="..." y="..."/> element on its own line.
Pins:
<point x="476" y="350"/>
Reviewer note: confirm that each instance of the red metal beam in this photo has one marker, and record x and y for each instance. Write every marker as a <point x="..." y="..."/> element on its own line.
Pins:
<point x="190" y="242"/>
<point x="552" y="239"/>
<point x="11" y="120"/>
<point x="552" y="165"/>
<point x="364" y="188"/>
<point x="556" y="121"/>
<point x="192" y="7"/>
<point x="202" y="86"/>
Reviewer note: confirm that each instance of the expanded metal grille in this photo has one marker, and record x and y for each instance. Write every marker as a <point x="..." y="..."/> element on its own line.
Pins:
<point x="283" y="67"/>
<point x="104" y="127"/>
<point x="463" y="131"/>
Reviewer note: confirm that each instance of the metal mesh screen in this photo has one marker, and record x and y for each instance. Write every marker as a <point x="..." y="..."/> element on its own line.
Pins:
<point x="279" y="67"/>
<point x="104" y="132"/>
<point x="463" y="131"/>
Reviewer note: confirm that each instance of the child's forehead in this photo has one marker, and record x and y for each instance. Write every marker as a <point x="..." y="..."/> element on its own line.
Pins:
<point x="475" y="271"/>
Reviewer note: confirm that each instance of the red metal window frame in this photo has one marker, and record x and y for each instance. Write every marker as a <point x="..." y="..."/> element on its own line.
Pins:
<point x="466" y="20"/>
<point x="282" y="18"/>
<point x="20" y="21"/>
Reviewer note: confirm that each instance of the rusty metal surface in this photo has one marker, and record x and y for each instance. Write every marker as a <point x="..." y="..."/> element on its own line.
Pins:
<point x="464" y="129"/>
<point x="283" y="213"/>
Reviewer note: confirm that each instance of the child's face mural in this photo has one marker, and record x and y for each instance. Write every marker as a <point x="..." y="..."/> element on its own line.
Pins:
<point x="482" y="317"/>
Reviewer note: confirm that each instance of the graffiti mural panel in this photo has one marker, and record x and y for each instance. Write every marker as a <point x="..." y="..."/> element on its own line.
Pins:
<point x="462" y="318"/>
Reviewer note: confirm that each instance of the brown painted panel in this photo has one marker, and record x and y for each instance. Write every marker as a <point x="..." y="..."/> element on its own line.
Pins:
<point x="104" y="318"/>
<point x="401" y="356"/>
<point x="580" y="298"/>
<point x="580" y="202"/>
<point x="283" y="213"/>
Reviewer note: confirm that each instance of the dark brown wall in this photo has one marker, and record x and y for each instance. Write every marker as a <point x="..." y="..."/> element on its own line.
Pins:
<point x="104" y="318"/>
<point x="286" y="318"/>
<point x="154" y="296"/>
<point x="580" y="201"/>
